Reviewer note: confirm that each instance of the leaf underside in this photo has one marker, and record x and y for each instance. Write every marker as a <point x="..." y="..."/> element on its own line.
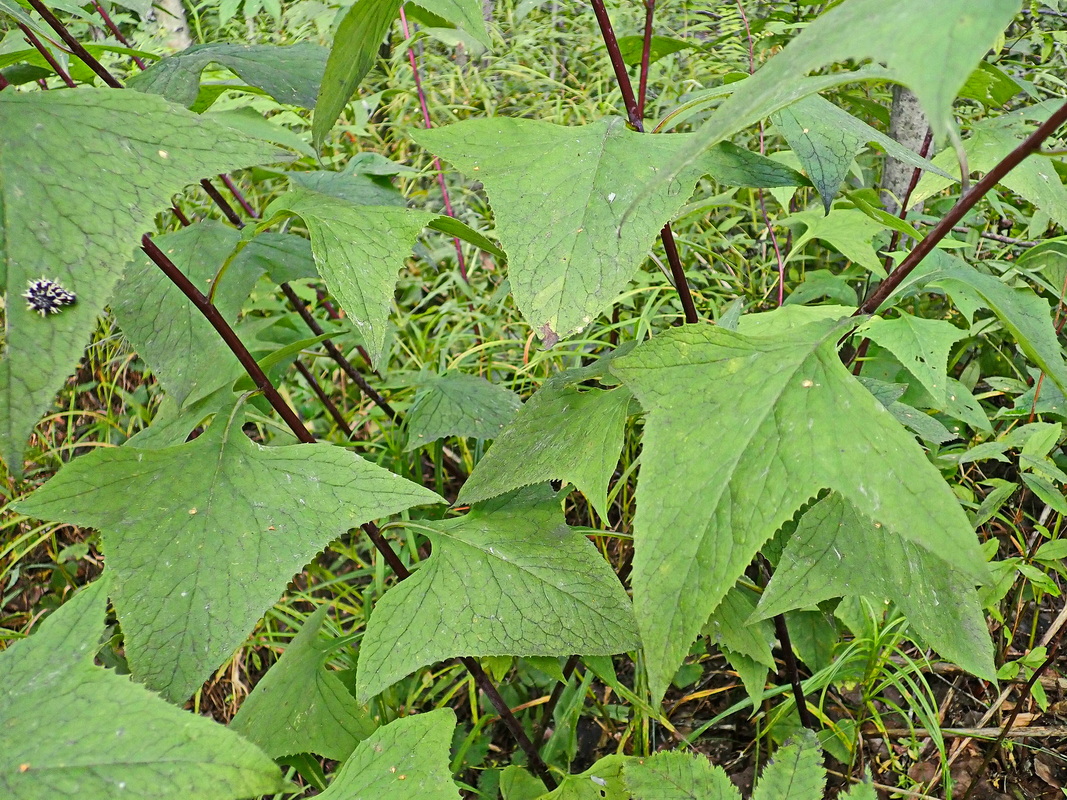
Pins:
<point x="290" y="74"/>
<point x="837" y="552"/>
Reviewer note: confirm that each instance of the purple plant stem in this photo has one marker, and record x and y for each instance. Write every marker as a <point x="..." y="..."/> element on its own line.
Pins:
<point x="111" y="26"/>
<point x="1029" y="145"/>
<point x="633" y="115"/>
<point x="220" y="201"/>
<point x="40" y="48"/>
<point x="262" y="382"/>
<point x="239" y="196"/>
<point x="646" y="57"/>
<point x="513" y="725"/>
<point x="332" y="313"/>
<point x="428" y="123"/>
<point x="4" y="82"/>
<point x="74" y="45"/>
<point x="313" y="324"/>
<point x="856" y="360"/>
<point x="309" y="319"/>
<point x="327" y="403"/>
<point x="180" y="216"/>
<point x="222" y="327"/>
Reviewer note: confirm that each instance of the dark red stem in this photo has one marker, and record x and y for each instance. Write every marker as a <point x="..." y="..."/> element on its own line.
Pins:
<point x="111" y="26"/>
<point x="921" y="250"/>
<point x="38" y="45"/>
<point x="633" y="114"/>
<point x="646" y="57"/>
<point x="327" y="403"/>
<point x="427" y="122"/>
<point x="220" y="201"/>
<point x="222" y="327"/>
<point x="74" y="45"/>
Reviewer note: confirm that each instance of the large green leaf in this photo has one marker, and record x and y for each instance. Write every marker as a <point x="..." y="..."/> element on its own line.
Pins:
<point x="455" y="404"/>
<point x="406" y="759"/>
<point x="558" y="195"/>
<point x="826" y="139"/>
<point x="602" y="781"/>
<point x="921" y="346"/>
<point x="561" y="433"/>
<point x="673" y="775"/>
<point x="932" y="48"/>
<point x="836" y="552"/>
<point x="1024" y="315"/>
<point x="301" y="706"/>
<point x="290" y="74"/>
<point x="848" y="230"/>
<point x="203" y="537"/>
<point x="358" y="250"/>
<point x="507" y="579"/>
<point x="166" y="329"/>
<point x="118" y="739"/>
<point x="740" y="433"/>
<point x="1035" y="179"/>
<point x="464" y="14"/>
<point x="355" y="47"/>
<point x="795" y="772"/>
<point x="131" y="153"/>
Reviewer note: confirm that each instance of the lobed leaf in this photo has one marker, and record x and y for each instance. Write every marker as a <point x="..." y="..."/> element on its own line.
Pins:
<point x="124" y="740"/>
<point x="132" y="153"/>
<point x="558" y="195"/>
<point x="1024" y="315"/>
<point x="203" y="537"/>
<point x="740" y="433"/>
<point x="301" y="706"/>
<point x="405" y="759"/>
<point x="836" y="551"/>
<point x="508" y="578"/>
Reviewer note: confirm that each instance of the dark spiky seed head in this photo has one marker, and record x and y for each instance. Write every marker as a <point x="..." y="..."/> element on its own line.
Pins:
<point x="47" y="297"/>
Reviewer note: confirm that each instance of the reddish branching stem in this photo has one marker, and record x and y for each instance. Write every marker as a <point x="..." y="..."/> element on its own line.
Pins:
<point x="75" y="46"/>
<point x="633" y="114"/>
<point x="1030" y="145"/>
